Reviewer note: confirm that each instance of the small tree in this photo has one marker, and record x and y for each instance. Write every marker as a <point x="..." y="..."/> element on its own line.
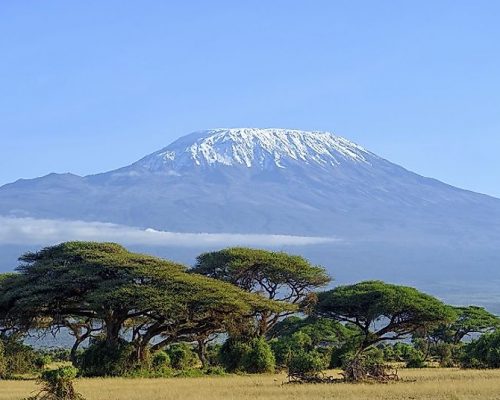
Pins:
<point x="469" y="320"/>
<point x="381" y="312"/>
<point x="275" y="275"/>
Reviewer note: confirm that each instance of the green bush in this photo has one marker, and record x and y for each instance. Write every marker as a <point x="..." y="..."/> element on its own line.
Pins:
<point x="182" y="356"/>
<point x="18" y="357"/>
<point x="415" y="360"/>
<point x="284" y="347"/>
<point x="232" y="352"/>
<point x="104" y="359"/>
<point x="483" y="352"/>
<point x="42" y="360"/>
<point x="253" y="356"/>
<point x="213" y="354"/>
<point x="259" y="359"/>
<point x="310" y="362"/>
<point x="160" y="360"/>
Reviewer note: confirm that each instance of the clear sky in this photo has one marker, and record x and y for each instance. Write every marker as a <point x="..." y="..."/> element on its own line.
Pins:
<point x="94" y="85"/>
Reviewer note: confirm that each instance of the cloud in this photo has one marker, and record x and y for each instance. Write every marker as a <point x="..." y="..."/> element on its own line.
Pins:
<point x="47" y="231"/>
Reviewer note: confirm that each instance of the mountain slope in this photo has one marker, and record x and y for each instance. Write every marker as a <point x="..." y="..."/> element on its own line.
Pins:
<point x="264" y="181"/>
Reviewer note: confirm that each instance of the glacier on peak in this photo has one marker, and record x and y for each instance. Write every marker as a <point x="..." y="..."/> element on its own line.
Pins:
<point x="256" y="148"/>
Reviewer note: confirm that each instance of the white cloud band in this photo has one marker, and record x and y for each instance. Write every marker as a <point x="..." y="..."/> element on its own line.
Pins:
<point x="47" y="231"/>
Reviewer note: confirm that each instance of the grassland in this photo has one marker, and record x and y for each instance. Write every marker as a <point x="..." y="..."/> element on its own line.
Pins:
<point x="428" y="384"/>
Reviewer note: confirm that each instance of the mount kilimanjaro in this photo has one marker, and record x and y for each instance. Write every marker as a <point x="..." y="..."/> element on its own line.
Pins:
<point x="290" y="182"/>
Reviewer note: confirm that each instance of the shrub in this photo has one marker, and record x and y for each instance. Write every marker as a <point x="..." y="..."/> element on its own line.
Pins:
<point x="253" y="356"/>
<point x="284" y="347"/>
<point x="182" y="356"/>
<point x="160" y="360"/>
<point x="232" y="352"/>
<point x="483" y="352"/>
<point x="18" y="357"/>
<point x="415" y="360"/>
<point x="57" y="385"/>
<point x="104" y="359"/>
<point x="311" y="362"/>
<point x="42" y="360"/>
<point x="213" y="355"/>
<point x="259" y="358"/>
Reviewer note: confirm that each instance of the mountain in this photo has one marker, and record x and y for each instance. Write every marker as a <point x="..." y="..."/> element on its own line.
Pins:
<point x="284" y="181"/>
<point x="263" y="181"/>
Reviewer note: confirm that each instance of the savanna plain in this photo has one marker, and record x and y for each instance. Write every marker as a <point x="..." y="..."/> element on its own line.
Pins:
<point x="415" y="384"/>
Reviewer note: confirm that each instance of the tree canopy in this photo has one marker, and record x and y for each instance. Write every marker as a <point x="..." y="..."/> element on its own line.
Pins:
<point x="382" y="311"/>
<point x="276" y="275"/>
<point x="107" y="284"/>
<point x="468" y="320"/>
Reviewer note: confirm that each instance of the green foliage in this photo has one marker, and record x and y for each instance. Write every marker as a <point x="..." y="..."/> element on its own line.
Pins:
<point x="284" y="347"/>
<point x="102" y="358"/>
<point x="483" y="352"/>
<point x="42" y="360"/>
<point x="307" y="362"/>
<point x="253" y="356"/>
<point x="397" y="311"/>
<point x="18" y="357"/>
<point x="213" y="354"/>
<point x="182" y="356"/>
<point x="114" y="288"/>
<point x="467" y="321"/>
<point x="57" y="385"/>
<point x="259" y="359"/>
<point x="160" y="360"/>
<point x="322" y="331"/>
<point x="276" y="275"/>
<point x="3" y="362"/>
<point x="415" y="360"/>
<point x="232" y="352"/>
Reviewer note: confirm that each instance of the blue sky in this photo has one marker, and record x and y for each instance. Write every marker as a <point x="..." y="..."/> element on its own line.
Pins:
<point x="91" y="86"/>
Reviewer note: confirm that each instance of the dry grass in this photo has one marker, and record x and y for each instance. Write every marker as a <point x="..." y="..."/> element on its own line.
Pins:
<point x="428" y="384"/>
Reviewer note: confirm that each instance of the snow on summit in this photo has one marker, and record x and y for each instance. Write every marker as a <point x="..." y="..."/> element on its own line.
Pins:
<point x="256" y="148"/>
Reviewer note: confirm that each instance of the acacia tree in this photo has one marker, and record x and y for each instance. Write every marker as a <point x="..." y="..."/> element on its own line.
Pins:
<point x="382" y="311"/>
<point x="104" y="284"/>
<point x="275" y="275"/>
<point x="470" y="320"/>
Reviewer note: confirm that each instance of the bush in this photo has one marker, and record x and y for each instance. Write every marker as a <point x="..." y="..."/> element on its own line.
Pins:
<point x="483" y="352"/>
<point x="213" y="354"/>
<point x="57" y="385"/>
<point x="42" y="360"/>
<point x="104" y="359"/>
<point x="415" y="360"/>
<point x="284" y="347"/>
<point x="253" y="356"/>
<point x="232" y="352"/>
<point x="311" y="362"/>
<point x="259" y="359"/>
<point x="160" y="360"/>
<point x="18" y="358"/>
<point x="182" y="356"/>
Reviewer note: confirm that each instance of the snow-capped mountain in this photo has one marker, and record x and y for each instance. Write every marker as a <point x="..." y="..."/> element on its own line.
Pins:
<point x="255" y="148"/>
<point x="392" y="224"/>
<point x="260" y="181"/>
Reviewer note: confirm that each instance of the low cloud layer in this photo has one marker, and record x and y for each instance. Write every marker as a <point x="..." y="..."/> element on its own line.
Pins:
<point x="30" y="231"/>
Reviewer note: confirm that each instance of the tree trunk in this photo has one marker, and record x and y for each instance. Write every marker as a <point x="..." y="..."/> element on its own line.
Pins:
<point x="72" y="353"/>
<point x="201" y="349"/>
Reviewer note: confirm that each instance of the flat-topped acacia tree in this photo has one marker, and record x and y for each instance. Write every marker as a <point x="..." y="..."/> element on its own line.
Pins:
<point x="382" y="311"/>
<point x="155" y="299"/>
<point x="469" y="320"/>
<point x="276" y="275"/>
